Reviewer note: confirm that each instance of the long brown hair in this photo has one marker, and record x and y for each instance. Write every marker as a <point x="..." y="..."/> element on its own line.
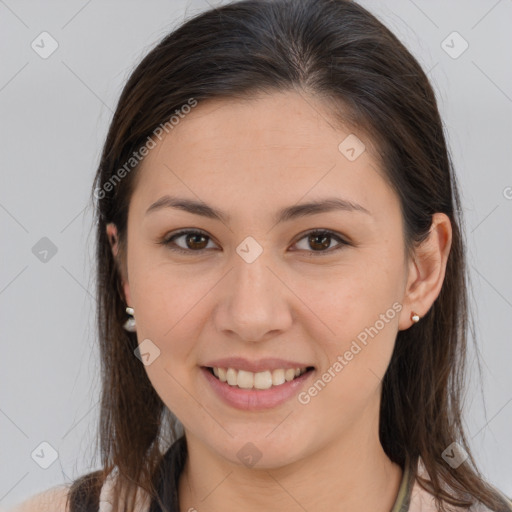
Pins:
<point x="338" y="51"/>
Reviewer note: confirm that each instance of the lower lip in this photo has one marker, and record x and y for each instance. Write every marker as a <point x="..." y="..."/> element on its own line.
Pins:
<point x="255" y="399"/>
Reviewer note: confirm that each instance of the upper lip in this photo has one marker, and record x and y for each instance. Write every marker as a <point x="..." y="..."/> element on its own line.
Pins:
<point x="239" y="363"/>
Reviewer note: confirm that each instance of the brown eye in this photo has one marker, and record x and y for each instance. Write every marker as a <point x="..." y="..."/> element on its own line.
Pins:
<point x="193" y="241"/>
<point x="319" y="241"/>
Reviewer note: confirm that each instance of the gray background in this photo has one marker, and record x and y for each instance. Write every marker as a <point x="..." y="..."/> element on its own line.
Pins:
<point x="55" y="113"/>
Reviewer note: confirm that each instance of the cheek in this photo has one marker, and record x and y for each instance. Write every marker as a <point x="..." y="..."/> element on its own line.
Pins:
<point x="170" y="309"/>
<point x="356" y="361"/>
<point x="163" y="292"/>
<point x="346" y="300"/>
<point x="170" y="313"/>
<point x="357" y="311"/>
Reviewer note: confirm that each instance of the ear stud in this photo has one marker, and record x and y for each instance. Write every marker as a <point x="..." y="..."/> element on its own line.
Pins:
<point x="130" y="324"/>
<point x="415" y="317"/>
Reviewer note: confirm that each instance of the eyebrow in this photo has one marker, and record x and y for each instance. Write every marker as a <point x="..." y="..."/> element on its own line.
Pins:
<point x="291" y="212"/>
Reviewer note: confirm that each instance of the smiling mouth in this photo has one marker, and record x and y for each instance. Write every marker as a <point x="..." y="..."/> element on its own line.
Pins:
<point x="267" y="379"/>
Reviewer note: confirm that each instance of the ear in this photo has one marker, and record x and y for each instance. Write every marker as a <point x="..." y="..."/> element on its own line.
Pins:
<point x="427" y="270"/>
<point x="113" y="239"/>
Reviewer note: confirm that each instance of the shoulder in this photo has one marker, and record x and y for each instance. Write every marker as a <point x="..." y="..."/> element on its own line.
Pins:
<point x="51" y="500"/>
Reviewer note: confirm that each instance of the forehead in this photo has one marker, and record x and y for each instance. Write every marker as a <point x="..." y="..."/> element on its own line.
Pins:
<point x="281" y="120"/>
<point x="277" y="147"/>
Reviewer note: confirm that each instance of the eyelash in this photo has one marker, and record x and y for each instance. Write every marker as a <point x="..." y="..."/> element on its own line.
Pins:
<point x="169" y="241"/>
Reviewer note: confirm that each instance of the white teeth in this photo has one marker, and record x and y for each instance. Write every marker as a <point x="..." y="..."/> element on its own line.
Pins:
<point x="260" y="380"/>
<point x="289" y="374"/>
<point x="278" y="377"/>
<point x="245" y="380"/>
<point x="231" y="376"/>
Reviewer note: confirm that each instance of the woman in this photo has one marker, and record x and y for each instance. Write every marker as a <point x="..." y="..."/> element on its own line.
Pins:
<point x="281" y="275"/>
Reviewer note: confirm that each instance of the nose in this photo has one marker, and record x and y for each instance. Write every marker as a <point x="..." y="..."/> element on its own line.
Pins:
<point x="254" y="304"/>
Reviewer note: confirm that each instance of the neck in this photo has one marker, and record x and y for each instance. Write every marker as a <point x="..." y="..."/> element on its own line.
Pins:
<point x="351" y="474"/>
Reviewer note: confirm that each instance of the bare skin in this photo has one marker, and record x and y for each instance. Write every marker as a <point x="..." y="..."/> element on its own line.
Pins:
<point x="251" y="159"/>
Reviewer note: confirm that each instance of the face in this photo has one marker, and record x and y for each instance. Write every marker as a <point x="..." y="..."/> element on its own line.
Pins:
<point x="261" y="292"/>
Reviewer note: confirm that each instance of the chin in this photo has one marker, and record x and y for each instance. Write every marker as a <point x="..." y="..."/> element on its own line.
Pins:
<point x="261" y="448"/>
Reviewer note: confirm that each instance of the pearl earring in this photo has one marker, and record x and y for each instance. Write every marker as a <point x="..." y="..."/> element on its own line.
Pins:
<point x="130" y="325"/>
<point x="415" y="317"/>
